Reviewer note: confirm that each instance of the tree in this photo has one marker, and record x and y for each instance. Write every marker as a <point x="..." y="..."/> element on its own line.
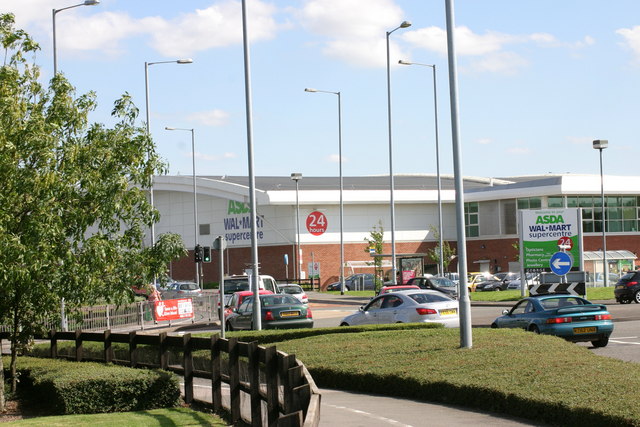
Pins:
<point x="376" y="241"/>
<point x="448" y="253"/>
<point x="74" y="200"/>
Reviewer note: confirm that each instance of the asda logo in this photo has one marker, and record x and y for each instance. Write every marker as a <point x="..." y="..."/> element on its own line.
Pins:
<point x="550" y="219"/>
<point x="237" y="207"/>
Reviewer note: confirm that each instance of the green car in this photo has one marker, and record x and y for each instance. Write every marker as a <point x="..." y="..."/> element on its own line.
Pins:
<point x="279" y="311"/>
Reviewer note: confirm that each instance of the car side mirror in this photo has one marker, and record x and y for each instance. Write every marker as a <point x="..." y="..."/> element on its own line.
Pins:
<point x="505" y="311"/>
<point x="361" y="308"/>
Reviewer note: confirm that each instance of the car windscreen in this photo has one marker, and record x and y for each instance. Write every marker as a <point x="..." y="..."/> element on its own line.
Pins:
<point x="235" y="285"/>
<point x="188" y="286"/>
<point x="291" y="289"/>
<point x="427" y="298"/>
<point x="269" y="300"/>
<point x="443" y="282"/>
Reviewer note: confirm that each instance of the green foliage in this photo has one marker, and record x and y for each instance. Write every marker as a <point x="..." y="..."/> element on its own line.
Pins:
<point x="75" y="388"/>
<point x="376" y="241"/>
<point x="74" y="201"/>
<point x="448" y="253"/>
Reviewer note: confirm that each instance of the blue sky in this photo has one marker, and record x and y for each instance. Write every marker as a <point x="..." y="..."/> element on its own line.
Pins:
<point x="538" y="81"/>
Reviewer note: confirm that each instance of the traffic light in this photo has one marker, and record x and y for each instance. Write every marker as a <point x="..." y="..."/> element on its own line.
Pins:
<point x="206" y="256"/>
<point x="198" y="253"/>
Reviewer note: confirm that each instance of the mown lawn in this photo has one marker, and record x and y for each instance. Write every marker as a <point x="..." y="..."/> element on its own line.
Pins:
<point x="158" y="417"/>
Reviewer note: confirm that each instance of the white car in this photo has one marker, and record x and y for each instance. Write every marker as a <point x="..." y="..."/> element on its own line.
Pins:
<point x="295" y="291"/>
<point x="414" y="306"/>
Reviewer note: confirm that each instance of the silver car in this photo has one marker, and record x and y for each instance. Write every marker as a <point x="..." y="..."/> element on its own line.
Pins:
<point x="414" y="306"/>
<point x="295" y="291"/>
<point x="181" y="290"/>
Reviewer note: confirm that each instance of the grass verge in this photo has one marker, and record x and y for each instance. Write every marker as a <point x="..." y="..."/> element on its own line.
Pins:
<point x="155" y="417"/>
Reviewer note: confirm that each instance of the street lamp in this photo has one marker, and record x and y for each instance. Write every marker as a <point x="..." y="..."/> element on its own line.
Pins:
<point x="341" y="183"/>
<point x="435" y="110"/>
<point x="195" y="197"/>
<point x="601" y="144"/>
<point x="55" y="58"/>
<point x="297" y="177"/>
<point x="146" y="91"/>
<point x="404" y="24"/>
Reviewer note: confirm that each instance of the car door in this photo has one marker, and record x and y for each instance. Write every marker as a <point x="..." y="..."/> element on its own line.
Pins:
<point x="243" y="317"/>
<point x="519" y="316"/>
<point x="389" y="308"/>
<point x="369" y="314"/>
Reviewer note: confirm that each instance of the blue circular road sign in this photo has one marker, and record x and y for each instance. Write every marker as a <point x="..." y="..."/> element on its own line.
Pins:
<point x="560" y="263"/>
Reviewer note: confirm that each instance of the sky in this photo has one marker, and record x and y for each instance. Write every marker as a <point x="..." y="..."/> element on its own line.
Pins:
<point x="538" y="81"/>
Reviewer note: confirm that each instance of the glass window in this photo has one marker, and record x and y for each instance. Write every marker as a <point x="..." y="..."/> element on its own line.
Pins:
<point x="614" y="213"/>
<point x="587" y="226"/>
<point x="555" y="201"/>
<point x="614" y="226"/>
<point x="587" y="214"/>
<point x="523" y="203"/>
<point x="535" y="203"/>
<point x="629" y="213"/>
<point x="613" y="201"/>
<point x="572" y="202"/>
<point x="629" y="201"/>
<point x="585" y="202"/>
<point x="630" y="225"/>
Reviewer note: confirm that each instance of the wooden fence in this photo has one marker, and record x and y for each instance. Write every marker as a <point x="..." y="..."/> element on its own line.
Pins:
<point x="274" y="379"/>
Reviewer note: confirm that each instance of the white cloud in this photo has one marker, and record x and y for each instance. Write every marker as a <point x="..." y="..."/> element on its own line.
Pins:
<point x="354" y="37"/>
<point x="631" y="39"/>
<point x="210" y="118"/>
<point x="519" y="150"/>
<point x="335" y="158"/>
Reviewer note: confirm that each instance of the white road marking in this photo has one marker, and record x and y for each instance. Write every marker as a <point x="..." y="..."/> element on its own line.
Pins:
<point x="624" y="338"/>
<point x="624" y="342"/>
<point x="367" y="414"/>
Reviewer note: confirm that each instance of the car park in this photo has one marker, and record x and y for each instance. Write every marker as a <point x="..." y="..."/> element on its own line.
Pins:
<point x="531" y="279"/>
<point x="477" y="277"/>
<point x="436" y="283"/>
<point x="279" y="311"/>
<point x="181" y="290"/>
<point x="628" y="288"/>
<point x="295" y="291"/>
<point x="415" y="306"/>
<point x="567" y="316"/>
<point x="355" y="282"/>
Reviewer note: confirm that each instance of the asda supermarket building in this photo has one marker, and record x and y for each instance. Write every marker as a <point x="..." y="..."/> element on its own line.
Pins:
<point x="491" y="206"/>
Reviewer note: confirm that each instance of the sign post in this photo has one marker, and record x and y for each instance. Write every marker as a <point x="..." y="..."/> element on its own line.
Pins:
<point x="220" y="244"/>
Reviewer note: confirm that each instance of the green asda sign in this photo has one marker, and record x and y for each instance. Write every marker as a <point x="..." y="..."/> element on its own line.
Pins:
<point x="545" y="232"/>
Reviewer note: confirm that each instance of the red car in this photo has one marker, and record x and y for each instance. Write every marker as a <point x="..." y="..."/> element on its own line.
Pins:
<point x="238" y="297"/>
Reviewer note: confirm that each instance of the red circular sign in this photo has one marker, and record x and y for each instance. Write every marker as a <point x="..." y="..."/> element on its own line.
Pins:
<point x="316" y="223"/>
<point x="565" y="243"/>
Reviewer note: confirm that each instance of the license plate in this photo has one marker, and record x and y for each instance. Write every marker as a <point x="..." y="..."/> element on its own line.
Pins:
<point x="589" y="330"/>
<point x="448" y="312"/>
<point x="620" y="287"/>
<point x="290" y="313"/>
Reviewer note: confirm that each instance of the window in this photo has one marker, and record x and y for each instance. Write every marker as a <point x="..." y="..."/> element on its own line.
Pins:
<point x="623" y="212"/>
<point x="205" y="229"/>
<point x="530" y="203"/>
<point x="471" y="221"/>
<point x="555" y="202"/>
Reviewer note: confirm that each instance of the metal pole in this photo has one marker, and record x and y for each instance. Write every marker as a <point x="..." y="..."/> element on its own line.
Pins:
<point x="391" y="179"/>
<point x="221" y="285"/>
<point x="55" y="56"/>
<point x="341" y="196"/>
<point x="465" y="304"/>
<point x="195" y="199"/>
<point x="440" y="229"/>
<point x="257" y="317"/>
<point x="298" y="260"/>
<point x="146" y="92"/>
<point x="605" y="265"/>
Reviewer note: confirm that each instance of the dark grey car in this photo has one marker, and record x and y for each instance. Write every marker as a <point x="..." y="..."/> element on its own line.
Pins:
<point x="356" y="282"/>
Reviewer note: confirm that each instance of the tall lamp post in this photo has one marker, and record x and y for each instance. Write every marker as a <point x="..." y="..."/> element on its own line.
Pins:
<point x="54" y="12"/>
<point x="404" y="24"/>
<point x="297" y="177"/>
<point x="601" y="144"/>
<point x="195" y="197"/>
<point x="341" y="183"/>
<point x="146" y="92"/>
<point x="435" y="110"/>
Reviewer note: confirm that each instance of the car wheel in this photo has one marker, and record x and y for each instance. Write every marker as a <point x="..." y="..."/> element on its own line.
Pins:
<point x="494" y="326"/>
<point x="228" y="327"/>
<point x="625" y="301"/>
<point x="636" y="297"/>
<point x="601" y="342"/>
<point x="344" y="324"/>
<point x="497" y="289"/>
<point x="534" y="329"/>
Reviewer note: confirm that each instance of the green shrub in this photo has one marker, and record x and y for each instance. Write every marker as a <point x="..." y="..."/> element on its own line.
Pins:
<point x="65" y="387"/>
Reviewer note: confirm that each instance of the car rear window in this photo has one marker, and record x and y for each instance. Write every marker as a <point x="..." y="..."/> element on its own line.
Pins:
<point x="427" y="298"/>
<point x="269" y="300"/>
<point x="291" y="289"/>
<point x="233" y="286"/>
<point x="551" y="303"/>
<point x="630" y="275"/>
<point x="188" y="286"/>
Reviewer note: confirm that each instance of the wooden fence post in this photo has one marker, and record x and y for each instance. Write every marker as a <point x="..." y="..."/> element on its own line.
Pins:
<point x="78" y="345"/>
<point x="53" y="350"/>
<point x="162" y="349"/>
<point x="286" y="362"/>
<point x="254" y="384"/>
<point x="271" y="369"/>
<point x="295" y="378"/>
<point x="133" y="350"/>
<point x="216" y="374"/>
<point x="108" y="349"/>
<point x="234" y="379"/>
<point x="187" y="364"/>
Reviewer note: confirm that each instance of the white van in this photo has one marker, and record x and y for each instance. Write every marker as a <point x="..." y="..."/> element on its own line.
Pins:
<point x="238" y="283"/>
